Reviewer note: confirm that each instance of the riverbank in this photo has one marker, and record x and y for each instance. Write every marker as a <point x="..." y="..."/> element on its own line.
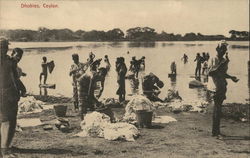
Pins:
<point x="190" y="136"/>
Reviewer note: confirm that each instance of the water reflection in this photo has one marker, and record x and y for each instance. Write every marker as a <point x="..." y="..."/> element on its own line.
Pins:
<point x="115" y="44"/>
<point x="156" y="62"/>
<point x="43" y="91"/>
<point x="190" y="45"/>
<point x="142" y="44"/>
<point x="173" y="82"/>
<point x="239" y="46"/>
<point x="134" y="84"/>
<point x="167" y="44"/>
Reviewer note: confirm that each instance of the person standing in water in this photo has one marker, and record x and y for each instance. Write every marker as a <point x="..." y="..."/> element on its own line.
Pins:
<point x="218" y="72"/>
<point x="44" y="72"/>
<point x="185" y="58"/>
<point x="198" y="60"/>
<point x="207" y="56"/>
<point x="173" y="68"/>
<point x="121" y="70"/>
<point x="106" y="60"/>
<point x="91" y="58"/>
<point x="76" y="67"/>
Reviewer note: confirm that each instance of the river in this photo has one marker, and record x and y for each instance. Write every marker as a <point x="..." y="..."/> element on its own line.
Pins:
<point x="159" y="56"/>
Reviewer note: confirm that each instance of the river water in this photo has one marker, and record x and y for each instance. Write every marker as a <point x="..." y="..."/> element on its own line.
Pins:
<point x="159" y="56"/>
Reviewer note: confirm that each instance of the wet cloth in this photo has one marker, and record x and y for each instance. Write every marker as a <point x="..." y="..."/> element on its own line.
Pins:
<point x="51" y="66"/>
<point x="97" y="124"/>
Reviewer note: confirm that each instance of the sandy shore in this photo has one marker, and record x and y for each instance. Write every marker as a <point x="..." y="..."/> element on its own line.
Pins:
<point x="190" y="136"/>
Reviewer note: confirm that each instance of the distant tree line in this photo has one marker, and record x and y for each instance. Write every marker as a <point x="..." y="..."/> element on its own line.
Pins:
<point x="132" y="34"/>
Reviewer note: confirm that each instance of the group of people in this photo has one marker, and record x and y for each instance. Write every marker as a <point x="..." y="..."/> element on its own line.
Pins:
<point x="137" y="65"/>
<point x="86" y="78"/>
<point x="201" y="62"/>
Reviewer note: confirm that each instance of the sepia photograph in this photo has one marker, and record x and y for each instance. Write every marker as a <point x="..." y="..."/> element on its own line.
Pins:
<point x="124" y="79"/>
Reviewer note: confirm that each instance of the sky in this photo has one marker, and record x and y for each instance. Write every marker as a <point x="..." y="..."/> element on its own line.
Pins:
<point x="172" y="16"/>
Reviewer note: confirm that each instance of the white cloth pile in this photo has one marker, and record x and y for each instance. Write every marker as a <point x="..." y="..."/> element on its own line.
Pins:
<point x="29" y="105"/>
<point x="96" y="124"/>
<point x="109" y="101"/>
<point x="172" y="95"/>
<point x="137" y="102"/>
<point x="120" y="131"/>
<point x="93" y="124"/>
<point x="164" y="119"/>
<point x="193" y="106"/>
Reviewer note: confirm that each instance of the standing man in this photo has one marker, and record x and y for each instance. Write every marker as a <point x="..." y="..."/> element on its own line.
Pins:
<point x="173" y="68"/>
<point x="91" y="58"/>
<point x="185" y="58"/>
<point x="218" y="72"/>
<point x="16" y="56"/>
<point x="198" y="60"/>
<point x="74" y="72"/>
<point x="9" y="97"/>
<point x="44" y="72"/>
<point x="106" y="60"/>
<point x="121" y="72"/>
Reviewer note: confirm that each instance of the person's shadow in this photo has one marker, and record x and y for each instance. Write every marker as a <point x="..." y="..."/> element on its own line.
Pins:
<point x="236" y="137"/>
<point x="43" y="91"/>
<point x="52" y="151"/>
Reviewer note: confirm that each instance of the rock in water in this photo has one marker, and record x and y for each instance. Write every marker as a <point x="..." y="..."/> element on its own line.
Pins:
<point x="195" y="83"/>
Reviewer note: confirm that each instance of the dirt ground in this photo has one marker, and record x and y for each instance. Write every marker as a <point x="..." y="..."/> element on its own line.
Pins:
<point x="190" y="136"/>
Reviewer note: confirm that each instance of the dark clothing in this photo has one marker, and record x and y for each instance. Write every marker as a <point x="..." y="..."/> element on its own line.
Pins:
<point x="44" y="68"/>
<point x="9" y="93"/>
<point x="198" y="71"/>
<point x="149" y="87"/>
<point x="185" y="58"/>
<point x="173" y="68"/>
<point x="135" y="66"/>
<point x="121" y="71"/>
<point x="20" y="86"/>
<point x="198" y="60"/>
<point x="86" y="92"/>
